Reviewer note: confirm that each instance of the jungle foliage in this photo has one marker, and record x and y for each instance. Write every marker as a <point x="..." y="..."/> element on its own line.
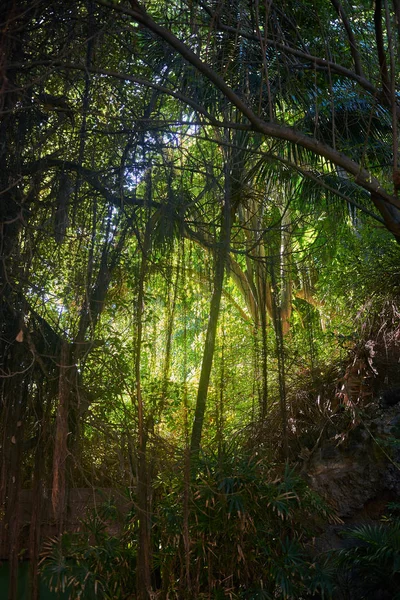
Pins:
<point x="199" y="261"/>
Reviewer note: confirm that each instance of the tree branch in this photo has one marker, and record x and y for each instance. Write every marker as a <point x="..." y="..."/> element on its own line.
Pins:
<point x="352" y="40"/>
<point x="381" y="51"/>
<point x="92" y="178"/>
<point x="362" y="177"/>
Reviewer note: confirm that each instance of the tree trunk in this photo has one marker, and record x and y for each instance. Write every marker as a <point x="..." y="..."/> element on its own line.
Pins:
<point x="286" y="270"/>
<point x="280" y="352"/>
<point x="58" y="495"/>
<point x="143" y="565"/>
<point x="221" y="257"/>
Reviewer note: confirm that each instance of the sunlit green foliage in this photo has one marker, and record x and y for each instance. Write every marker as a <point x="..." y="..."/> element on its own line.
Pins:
<point x="199" y="208"/>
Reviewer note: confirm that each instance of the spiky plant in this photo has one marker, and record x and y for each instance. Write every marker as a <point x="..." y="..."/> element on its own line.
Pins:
<point x="92" y="564"/>
<point x="372" y="564"/>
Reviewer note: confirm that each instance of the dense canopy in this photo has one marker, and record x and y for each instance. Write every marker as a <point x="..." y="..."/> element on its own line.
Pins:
<point x="200" y="217"/>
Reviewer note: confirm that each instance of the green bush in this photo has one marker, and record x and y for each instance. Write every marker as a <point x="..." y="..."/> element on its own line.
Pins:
<point x="244" y="534"/>
<point x="371" y="566"/>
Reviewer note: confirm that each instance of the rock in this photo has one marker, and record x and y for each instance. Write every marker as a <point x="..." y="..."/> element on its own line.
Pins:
<point x="362" y="470"/>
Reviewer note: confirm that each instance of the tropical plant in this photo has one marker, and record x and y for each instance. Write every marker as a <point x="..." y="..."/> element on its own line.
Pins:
<point x="248" y="533"/>
<point x="94" y="563"/>
<point x="371" y="565"/>
<point x="189" y="197"/>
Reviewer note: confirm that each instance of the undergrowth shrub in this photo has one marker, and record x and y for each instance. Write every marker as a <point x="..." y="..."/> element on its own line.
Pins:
<point x="239" y="528"/>
<point x="370" y="567"/>
<point x="93" y="563"/>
